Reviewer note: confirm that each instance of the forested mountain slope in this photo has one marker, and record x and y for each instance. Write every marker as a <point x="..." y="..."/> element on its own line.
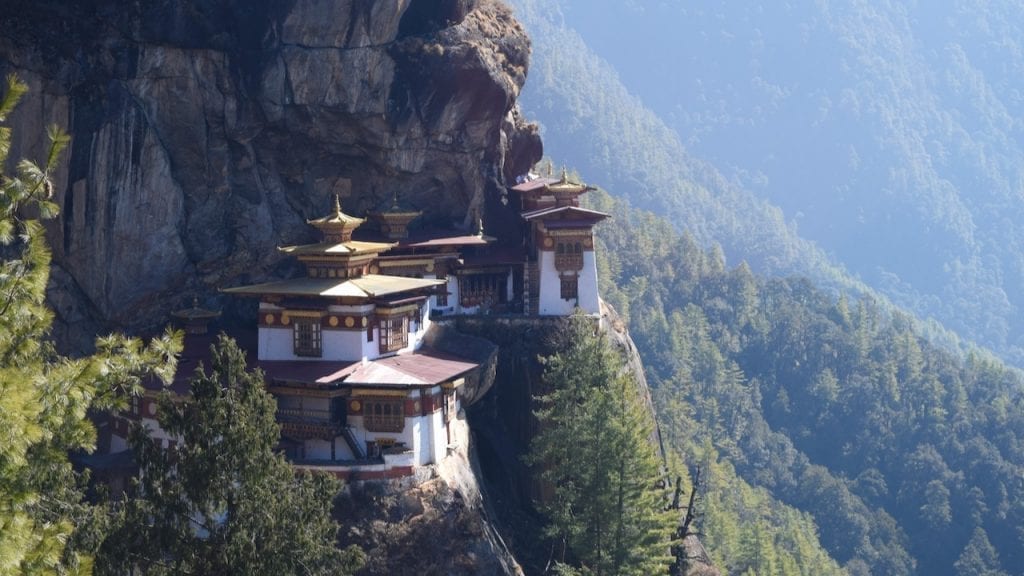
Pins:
<point x="908" y="458"/>
<point x="886" y="135"/>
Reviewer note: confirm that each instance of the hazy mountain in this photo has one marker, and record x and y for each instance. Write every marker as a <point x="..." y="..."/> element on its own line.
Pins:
<point x="887" y="133"/>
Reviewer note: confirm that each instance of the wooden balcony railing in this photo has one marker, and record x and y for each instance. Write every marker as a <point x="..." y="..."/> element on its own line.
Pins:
<point x="568" y="262"/>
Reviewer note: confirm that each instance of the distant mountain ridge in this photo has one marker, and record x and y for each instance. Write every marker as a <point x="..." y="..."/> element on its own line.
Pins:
<point x="880" y="140"/>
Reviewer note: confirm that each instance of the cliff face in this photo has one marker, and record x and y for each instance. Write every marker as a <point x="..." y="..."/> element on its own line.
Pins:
<point x="205" y="132"/>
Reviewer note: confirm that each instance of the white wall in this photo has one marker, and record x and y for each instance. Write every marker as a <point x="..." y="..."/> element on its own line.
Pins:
<point x="318" y="449"/>
<point x="590" y="300"/>
<point x="119" y="443"/>
<point x="551" y="302"/>
<point x="453" y="296"/>
<point x="277" y="343"/>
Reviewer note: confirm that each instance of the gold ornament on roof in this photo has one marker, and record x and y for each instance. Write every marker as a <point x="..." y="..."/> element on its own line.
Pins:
<point x="338" y="226"/>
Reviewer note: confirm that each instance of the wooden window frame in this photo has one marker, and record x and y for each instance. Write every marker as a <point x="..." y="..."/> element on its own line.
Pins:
<point x="569" y="287"/>
<point x="384" y="414"/>
<point x="394" y="333"/>
<point x="307" y="338"/>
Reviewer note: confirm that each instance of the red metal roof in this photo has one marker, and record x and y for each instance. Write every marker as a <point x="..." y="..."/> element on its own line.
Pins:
<point x="422" y="368"/>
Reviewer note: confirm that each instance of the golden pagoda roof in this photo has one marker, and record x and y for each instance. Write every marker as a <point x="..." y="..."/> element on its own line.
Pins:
<point x="337" y="218"/>
<point x="564" y="211"/>
<point x="195" y="312"/>
<point x="350" y="248"/>
<point x="566" y="186"/>
<point x="368" y="286"/>
<point x="337" y="227"/>
<point x="397" y="210"/>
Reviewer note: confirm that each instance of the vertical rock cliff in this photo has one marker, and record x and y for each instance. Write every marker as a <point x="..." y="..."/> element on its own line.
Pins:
<point x="205" y="132"/>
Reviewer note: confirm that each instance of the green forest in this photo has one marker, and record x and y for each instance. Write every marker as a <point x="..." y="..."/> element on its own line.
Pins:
<point x="864" y="145"/>
<point x="818" y="415"/>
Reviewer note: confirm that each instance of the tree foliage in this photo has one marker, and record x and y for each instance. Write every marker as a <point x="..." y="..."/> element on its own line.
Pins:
<point x="898" y="450"/>
<point x="224" y="501"/>
<point x="594" y="450"/>
<point x="894" y="147"/>
<point x="45" y="398"/>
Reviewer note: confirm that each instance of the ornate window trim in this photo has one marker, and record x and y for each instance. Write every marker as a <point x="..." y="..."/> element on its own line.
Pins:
<point x="394" y="333"/>
<point x="384" y="414"/>
<point x="307" y="337"/>
<point x="570" y="287"/>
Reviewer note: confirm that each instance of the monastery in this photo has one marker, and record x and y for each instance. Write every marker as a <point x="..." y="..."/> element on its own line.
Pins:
<point x="343" y="348"/>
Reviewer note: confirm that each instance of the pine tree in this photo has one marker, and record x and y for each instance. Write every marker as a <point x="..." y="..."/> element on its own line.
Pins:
<point x="594" y="450"/>
<point x="45" y="397"/>
<point x="979" y="557"/>
<point x="224" y="501"/>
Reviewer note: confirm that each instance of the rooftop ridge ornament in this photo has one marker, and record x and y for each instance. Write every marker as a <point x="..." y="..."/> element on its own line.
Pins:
<point x="195" y="319"/>
<point x="394" y="221"/>
<point x="338" y="226"/>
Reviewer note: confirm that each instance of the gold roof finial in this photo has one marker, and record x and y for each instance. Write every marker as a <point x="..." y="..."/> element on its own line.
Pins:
<point x="565" y="174"/>
<point x="551" y="167"/>
<point x="479" y="225"/>
<point x="394" y="201"/>
<point x="337" y="204"/>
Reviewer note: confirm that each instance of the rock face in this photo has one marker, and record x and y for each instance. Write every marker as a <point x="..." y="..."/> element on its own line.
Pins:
<point x="437" y="523"/>
<point x="205" y="132"/>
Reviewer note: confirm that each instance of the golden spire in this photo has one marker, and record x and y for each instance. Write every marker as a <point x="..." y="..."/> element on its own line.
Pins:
<point x="337" y="227"/>
<point x="394" y="221"/>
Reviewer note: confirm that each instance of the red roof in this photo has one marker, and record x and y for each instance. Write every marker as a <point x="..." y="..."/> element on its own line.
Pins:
<point x="422" y="368"/>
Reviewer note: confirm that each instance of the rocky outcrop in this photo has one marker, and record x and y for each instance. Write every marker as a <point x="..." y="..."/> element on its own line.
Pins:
<point x="205" y="132"/>
<point x="434" y="523"/>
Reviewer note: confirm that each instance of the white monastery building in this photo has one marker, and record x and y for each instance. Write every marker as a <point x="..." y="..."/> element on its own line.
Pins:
<point x="343" y="347"/>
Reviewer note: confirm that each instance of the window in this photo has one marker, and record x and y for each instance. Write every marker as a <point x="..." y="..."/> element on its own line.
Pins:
<point x="384" y="415"/>
<point x="394" y="333"/>
<point x="569" y="256"/>
<point x="306" y="334"/>
<point x="570" y="287"/>
<point x="442" y="298"/>
<point x="482" y="289"/>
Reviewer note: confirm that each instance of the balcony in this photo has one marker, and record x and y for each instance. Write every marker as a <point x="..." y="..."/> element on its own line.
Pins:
<point x="310" y="423"/>
<point x="566" y="262"/>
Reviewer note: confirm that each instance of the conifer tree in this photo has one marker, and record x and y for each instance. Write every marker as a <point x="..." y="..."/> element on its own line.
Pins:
<point x="224" y="501"/>
<point x="45" y="397"/>
<point x="594" y="451"/>
<point x="979" y="557"/>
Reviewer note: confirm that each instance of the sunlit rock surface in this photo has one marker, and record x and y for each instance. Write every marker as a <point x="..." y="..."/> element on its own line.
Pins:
<point x="207" y="131"/>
